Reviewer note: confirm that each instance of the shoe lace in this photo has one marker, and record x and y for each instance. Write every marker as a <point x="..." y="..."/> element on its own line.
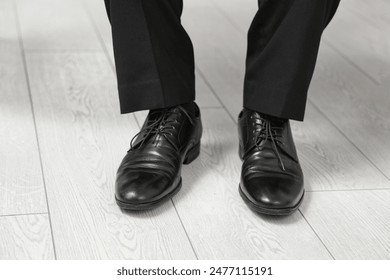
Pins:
<point x="162" y="126"/>
<point x="268" y="132"/>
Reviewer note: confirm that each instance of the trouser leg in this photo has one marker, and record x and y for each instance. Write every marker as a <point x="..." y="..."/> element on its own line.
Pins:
<point x="153" y="54"/>
<point x="283" y="43"/>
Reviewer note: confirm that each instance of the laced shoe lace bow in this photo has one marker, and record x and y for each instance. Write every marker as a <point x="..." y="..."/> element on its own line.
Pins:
<point x="162" y="126"/>
<point x="266" y="131"/>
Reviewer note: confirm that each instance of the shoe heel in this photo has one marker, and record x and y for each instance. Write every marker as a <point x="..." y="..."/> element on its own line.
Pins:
<point x="192" y="154"/>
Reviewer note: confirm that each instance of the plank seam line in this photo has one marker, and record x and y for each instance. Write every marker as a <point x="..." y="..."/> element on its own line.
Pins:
<point x="27" y="78"/>
<point x="208" y="84"/>
<point x="351" y="190"/>
<point x="319" y="238"/>
<point x="350" y="61"/>
<point x="62" y="51"/>
<point x="347" y="138"/>
<point x="185" y="231"/>
<point x="24" y="214"/>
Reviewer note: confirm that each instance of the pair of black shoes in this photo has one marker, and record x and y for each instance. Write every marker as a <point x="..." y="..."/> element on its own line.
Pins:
<point x="271" y="179"/>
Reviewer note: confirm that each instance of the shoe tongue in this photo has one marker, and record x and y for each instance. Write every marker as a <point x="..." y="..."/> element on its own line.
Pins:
<point x="157" y="114"/>
<point x="273" y="119"/>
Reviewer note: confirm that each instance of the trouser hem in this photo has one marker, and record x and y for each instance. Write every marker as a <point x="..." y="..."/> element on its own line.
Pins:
<point x="149" y="95"/>
<point x="278" y="102"/>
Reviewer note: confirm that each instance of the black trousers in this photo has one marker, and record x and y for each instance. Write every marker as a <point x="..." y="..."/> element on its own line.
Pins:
<point x="155" y="60"/>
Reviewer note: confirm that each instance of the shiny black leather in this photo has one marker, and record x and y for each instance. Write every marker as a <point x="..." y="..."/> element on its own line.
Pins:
<point x="271" y="176"/>
<point x="150" y="173"/>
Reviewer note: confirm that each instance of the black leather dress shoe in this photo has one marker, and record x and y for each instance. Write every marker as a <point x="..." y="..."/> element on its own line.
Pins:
<point x="271" y="177"/>
<point x="150" y="173"/>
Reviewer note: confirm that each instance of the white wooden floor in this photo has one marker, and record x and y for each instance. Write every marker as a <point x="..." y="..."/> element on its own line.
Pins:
<point x="62" y="138"/>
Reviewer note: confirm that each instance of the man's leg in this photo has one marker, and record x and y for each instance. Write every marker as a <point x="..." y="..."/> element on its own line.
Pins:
<point x="283" y="43"/>
<point x="155" y="70"/>
<point x="153" y="54"/>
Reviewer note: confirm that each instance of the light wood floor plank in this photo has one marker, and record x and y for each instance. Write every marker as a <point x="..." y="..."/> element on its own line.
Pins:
<point x="353" y="225"/>
<point x="216" y="56"/>
<point x="377" y="14"/>
<point x="25" y="237"/>
<point x="329" y="160"/>
<point x="56" y="25"/>
<point x="21" y="185"/>
<point x="355" y="105"/>
<point x="97" y="15"/>
<point x="97" y="12"/>
<point x="83" y="141"/>
<point x="354" y="74"/>
<point x="364" y="43"/>
<point x="217" y="220"/>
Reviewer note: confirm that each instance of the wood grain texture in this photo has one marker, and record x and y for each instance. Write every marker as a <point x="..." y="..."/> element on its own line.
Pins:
<point x="342" y="143"/>
<point x="25" y="237"/>
<point x="83" y="141"/>
<point x="56" y="25"/>
<point x="21" y="184"/>
<point x="352" y="224"/>
<point x="218" y="222"/>
<point x="97" y="13"/>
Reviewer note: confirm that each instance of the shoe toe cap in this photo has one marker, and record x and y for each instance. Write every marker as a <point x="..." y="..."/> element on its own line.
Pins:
<point x="273" y="193"/>
<point x="141" y="187"/>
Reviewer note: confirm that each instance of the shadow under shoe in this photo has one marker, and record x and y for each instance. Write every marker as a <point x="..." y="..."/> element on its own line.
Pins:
<point x="150" y="173"/>
<point x="271" y="177"/>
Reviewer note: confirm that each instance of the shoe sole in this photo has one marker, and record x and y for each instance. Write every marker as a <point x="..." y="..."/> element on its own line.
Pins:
<point x="190" y="156"/>
<point x="270" y="211"/>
